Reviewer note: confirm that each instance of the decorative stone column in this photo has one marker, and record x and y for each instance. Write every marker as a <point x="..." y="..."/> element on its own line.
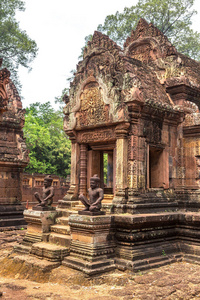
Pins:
<point x="136" y="148"/>
<point x="121" y="162"/>
<point x="83" y="169"/>
<point x="72" y="193"/>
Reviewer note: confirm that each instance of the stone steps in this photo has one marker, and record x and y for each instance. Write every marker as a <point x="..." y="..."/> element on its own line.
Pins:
<point x="60" y="239"/>
<point x="79" y="207"/>
<point x="66" y="212"/>
<point x="62" y="221"/>
<point x="107" y="198"/>
<point x="90" y="268"/>
<point x="156" y="263"/>
<point x="60" y="232"/>
<point x="8" y="215"/>
<point x="49" y="251"/>
<point x="62" y="229"/>
<point x="12" y="222"/>
<point x="23" y="249"/>
<point x="142" y="265"/>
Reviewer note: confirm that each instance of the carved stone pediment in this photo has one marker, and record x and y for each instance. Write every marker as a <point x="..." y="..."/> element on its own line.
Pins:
<point x="92" y="110"/>
<point x="148" y="43"/>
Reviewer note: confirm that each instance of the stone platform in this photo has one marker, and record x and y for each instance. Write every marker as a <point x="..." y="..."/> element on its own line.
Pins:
<point x="92" y="246"/>
<point x="97" y="244"/>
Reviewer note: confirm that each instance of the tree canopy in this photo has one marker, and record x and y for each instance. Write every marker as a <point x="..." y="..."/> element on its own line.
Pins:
<point x="172" y="17"/>
<point x="16" y="48"/>
<point x="50" y="151"/>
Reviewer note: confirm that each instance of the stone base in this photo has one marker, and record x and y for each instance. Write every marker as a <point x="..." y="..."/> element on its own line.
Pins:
<point x="38" y="228"/>
<point x="45" y="208"/>
<point x="67" y="204"/>
<point x="91" y="213"/>
<point x="49" y="251"/>
<point x="92" y="247"/>
<point x="12" y="215"/>
<point x="90" y="268"/>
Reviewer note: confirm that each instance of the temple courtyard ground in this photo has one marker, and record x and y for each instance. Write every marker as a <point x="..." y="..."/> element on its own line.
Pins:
<point x="177" y="281"/>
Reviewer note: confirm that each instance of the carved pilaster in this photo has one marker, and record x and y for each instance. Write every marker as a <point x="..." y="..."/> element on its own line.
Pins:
<point x="121" y="163"/>
<point x="72" y="193"/>
<point x="83" y="169"/>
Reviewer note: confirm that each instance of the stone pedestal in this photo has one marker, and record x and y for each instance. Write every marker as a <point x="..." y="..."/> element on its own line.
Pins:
<point x="92" y="247"/>
<point x="36" y="239"/>
<point x="38" y="228"/>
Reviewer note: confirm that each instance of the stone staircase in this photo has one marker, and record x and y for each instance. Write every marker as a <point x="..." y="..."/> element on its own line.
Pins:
<point x="56" y="245"/>
<point x="60" y="232"/>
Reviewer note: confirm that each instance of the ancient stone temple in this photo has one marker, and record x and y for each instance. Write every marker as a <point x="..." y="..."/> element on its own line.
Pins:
<point x="140" y="106"/>
<point x="13" y="153"/>
<point x="133" y="119"/>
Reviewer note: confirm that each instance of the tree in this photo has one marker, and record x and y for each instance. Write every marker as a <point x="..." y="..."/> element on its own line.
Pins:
<point x="172" y="17"/>
<point x="16" y="48"/>
<point x="49" y="148"/>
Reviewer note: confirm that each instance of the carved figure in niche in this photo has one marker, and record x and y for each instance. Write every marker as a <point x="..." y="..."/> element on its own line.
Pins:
<point x="95" y="196"/>
<point x="47" y="193"/>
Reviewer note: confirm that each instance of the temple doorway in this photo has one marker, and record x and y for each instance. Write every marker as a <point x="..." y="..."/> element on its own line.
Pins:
<point x="101" y="162"/>
<point x="157" y="168"/>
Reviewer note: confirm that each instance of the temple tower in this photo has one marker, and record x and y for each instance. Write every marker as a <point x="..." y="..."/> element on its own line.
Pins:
<point x="13" y="153"/>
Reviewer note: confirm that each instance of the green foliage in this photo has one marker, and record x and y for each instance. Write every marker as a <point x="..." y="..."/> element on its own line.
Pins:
<point x="16" y="47"/>
<point x="172" y="17"/>
<point x="105" y="167"/>
<point x="50" y="150"/>
<point x="59" y="100"/>
<point x="87" y="39"/>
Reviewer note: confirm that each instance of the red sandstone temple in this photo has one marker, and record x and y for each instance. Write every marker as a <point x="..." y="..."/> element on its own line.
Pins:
<point x="13" y="153"/>
<point x="133" y="118"/>
<point x="140" y="107"/>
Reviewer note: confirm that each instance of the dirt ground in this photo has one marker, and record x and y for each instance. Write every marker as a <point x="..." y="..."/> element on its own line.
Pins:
<point x="177" y="281"/>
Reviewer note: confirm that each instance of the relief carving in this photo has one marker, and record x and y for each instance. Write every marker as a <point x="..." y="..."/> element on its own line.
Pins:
<point x="142" y="52"/>
<point x="132" y="147"/>
<point x="93" y="109"/>
<point x="132" y="174"/>
<point x="97" y="136"/>
<point x="152" y="131"/>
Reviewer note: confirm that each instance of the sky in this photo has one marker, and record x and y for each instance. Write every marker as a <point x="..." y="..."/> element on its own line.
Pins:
<point x="59" y="29"/>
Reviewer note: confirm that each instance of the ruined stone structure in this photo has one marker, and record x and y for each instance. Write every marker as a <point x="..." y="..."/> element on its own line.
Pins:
<point x="13" y="153"/>
<point x="139" y="106"/>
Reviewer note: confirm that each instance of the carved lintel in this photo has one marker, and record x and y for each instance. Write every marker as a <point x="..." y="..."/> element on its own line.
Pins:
<point x="97" y="135"/>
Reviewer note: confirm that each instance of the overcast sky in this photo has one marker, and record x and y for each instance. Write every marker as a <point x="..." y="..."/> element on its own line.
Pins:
<point x="59" y="28"/>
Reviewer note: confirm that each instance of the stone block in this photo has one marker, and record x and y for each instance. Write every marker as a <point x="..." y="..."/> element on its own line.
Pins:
<point x="92" y="246"/>
<point x="39" y="223"/>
